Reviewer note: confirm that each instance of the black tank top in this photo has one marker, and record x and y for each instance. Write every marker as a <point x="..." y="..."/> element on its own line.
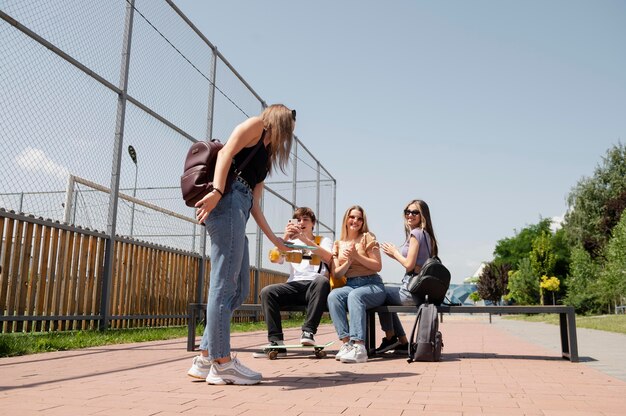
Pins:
<point x="257" y="168"/>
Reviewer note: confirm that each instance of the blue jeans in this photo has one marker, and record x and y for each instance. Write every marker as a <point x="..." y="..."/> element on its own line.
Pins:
<point x="397" y="296"/>
<point x="229" y="283"/>
<point x="358" y="295"/>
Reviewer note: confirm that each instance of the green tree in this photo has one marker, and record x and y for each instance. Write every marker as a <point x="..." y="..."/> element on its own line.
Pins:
<point x="513" y="249"/>
<point x="594" y="203"/>
<point x="584" y="272"/>
<point x="474" y="297"/>
<point x="542" y="257"/>
<point x="492" y="282"/>
<point x="611" y="285"/>
<point x="522" y="284"/>
<point x="562" y="252"/>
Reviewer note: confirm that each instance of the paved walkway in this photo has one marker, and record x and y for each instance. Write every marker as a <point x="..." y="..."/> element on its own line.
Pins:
<point x="487" y="370"/>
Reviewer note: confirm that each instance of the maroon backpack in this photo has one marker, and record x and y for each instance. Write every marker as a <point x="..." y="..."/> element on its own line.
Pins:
<point x="197" y="178"/>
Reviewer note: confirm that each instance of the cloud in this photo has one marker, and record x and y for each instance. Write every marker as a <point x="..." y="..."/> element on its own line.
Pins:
<point x="557" y="222"/>
<point x="35" y="160"/>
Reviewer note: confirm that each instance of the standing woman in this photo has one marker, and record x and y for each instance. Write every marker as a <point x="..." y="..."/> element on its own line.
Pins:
<point x="225" y="216"/>
<point x="356" y="256"/>
<point x="420" y="244"/>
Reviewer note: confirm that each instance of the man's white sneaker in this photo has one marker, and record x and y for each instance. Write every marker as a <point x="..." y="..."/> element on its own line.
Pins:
<point x="232" y="372"/>
<point x="358" y="354"/>
<point x="200" y="367"/>
<point x="345" y="348"/>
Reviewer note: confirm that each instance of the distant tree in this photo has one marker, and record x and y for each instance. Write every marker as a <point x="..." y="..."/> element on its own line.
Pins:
<point x="581" y="282"/>
<point x="474" y="297"/>
<point x="513" y="249"/>
<point x="562" y="252"/>
<point x="492" y="282"/>
<point x="522" y="286"/>
<point x="542" y="257"/>
<point x="611" y="285"/>
<point x="594" y="203"/>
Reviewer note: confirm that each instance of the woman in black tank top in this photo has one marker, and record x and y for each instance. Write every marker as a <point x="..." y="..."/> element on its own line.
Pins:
<point x="266" y="139"/>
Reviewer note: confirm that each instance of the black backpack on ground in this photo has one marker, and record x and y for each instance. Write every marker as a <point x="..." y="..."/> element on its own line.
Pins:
<point x="426" y="341"/>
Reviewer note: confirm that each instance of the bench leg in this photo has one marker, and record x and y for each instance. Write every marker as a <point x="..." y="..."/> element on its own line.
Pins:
<point x="191" y="328"/>
<point x="569" y="343"/>
<point x="370" y="333"/>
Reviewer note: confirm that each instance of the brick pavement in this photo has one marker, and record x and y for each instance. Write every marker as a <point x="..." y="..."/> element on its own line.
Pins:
<point x="486" y="371"/>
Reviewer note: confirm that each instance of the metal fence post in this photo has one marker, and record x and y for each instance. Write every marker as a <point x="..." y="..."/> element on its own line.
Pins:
<point x="109" y="255"/>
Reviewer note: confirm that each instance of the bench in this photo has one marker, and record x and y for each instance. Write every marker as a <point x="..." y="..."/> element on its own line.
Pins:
<point x="567" y="320"/>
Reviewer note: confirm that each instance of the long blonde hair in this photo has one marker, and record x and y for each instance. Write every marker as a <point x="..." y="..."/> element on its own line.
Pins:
<point x="344" y="223"/>
<point x="279" y="123"/>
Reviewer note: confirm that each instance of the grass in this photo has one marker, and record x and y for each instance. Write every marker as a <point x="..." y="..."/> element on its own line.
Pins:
<point x="15" y="344"/>
<point x="611" y="323"/>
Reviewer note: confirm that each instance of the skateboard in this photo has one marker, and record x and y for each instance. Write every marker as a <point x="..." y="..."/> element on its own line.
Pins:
<point x="271" y="351"/>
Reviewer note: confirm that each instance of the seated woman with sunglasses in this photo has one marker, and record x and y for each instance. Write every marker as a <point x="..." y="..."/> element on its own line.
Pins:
<point x="420" y="244"/>
<point x="357" y="256"/>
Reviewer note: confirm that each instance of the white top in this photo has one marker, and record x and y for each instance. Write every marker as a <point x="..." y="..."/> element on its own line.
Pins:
<point x="304" y="270"/>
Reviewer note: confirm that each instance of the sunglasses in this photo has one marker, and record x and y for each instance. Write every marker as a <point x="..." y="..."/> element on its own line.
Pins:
<point x="293" y="115"/>
<point x="413" y="212"/>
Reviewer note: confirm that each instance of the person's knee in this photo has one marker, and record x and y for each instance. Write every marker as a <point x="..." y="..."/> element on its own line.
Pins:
<point x="321" y="284"/>
<point x="266" y="294"/>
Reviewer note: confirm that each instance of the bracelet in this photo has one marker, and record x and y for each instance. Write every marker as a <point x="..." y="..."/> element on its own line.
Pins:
<point x="218" y="191"/>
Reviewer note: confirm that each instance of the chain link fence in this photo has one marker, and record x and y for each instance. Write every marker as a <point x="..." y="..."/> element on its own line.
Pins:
<point x="81" y="82"/>
<point x="63" y="71"/>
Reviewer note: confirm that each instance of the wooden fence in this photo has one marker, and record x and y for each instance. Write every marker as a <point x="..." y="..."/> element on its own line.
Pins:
<point x="51" y="278"/>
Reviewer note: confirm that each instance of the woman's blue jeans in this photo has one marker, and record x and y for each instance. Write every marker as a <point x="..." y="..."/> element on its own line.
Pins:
<point x="355" y="298"/>
<point x="229" y="283"/>
<point x="397" y="296"/>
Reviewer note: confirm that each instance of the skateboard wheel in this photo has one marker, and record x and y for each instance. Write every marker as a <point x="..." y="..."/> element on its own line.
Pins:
<point x="320" y="354"/>
<point x="272" y="355"/>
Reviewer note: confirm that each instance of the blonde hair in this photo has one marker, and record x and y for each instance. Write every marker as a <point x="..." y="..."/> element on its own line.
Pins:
<point x="344" y="223"/>
<point x="279" y="124"/>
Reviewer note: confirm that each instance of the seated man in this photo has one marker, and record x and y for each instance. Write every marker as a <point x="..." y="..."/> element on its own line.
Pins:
<point x="307" y="284"/>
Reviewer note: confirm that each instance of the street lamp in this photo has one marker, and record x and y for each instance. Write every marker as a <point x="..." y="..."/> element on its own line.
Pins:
<point x="133" y="155"/>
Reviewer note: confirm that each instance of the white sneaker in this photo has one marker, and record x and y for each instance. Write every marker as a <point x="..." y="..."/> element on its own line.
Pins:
<point x="345" y="348"/>
<point x="358" y="354"/>
<point x="232" y="372"/>
<point x="200" y="367"/>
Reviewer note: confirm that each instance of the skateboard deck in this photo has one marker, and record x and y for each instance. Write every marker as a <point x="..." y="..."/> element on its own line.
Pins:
<point x="299" y="246"/>
<point x="271" y="351"/>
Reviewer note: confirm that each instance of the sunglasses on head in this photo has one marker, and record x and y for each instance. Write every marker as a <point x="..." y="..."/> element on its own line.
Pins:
<point x="293" y="115"/>
<point x="413" y="212"/>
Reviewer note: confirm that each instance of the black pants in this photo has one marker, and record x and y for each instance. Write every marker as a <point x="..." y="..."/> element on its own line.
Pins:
<point x="312" y="293"/>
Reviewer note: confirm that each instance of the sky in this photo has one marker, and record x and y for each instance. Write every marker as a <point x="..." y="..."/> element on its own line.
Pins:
<point x="490" y="111"/>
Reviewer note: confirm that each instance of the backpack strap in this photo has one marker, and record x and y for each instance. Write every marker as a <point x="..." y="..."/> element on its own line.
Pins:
<point x="426" y="238"/>
<point x="250" y="156"/>
<point x="417" y="318"/>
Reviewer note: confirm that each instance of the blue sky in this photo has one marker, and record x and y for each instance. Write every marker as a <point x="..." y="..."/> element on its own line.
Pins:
<point x="491" y="111"/>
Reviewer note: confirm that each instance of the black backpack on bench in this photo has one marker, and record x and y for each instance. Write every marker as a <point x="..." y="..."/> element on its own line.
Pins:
<point x="426" y="343"/>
